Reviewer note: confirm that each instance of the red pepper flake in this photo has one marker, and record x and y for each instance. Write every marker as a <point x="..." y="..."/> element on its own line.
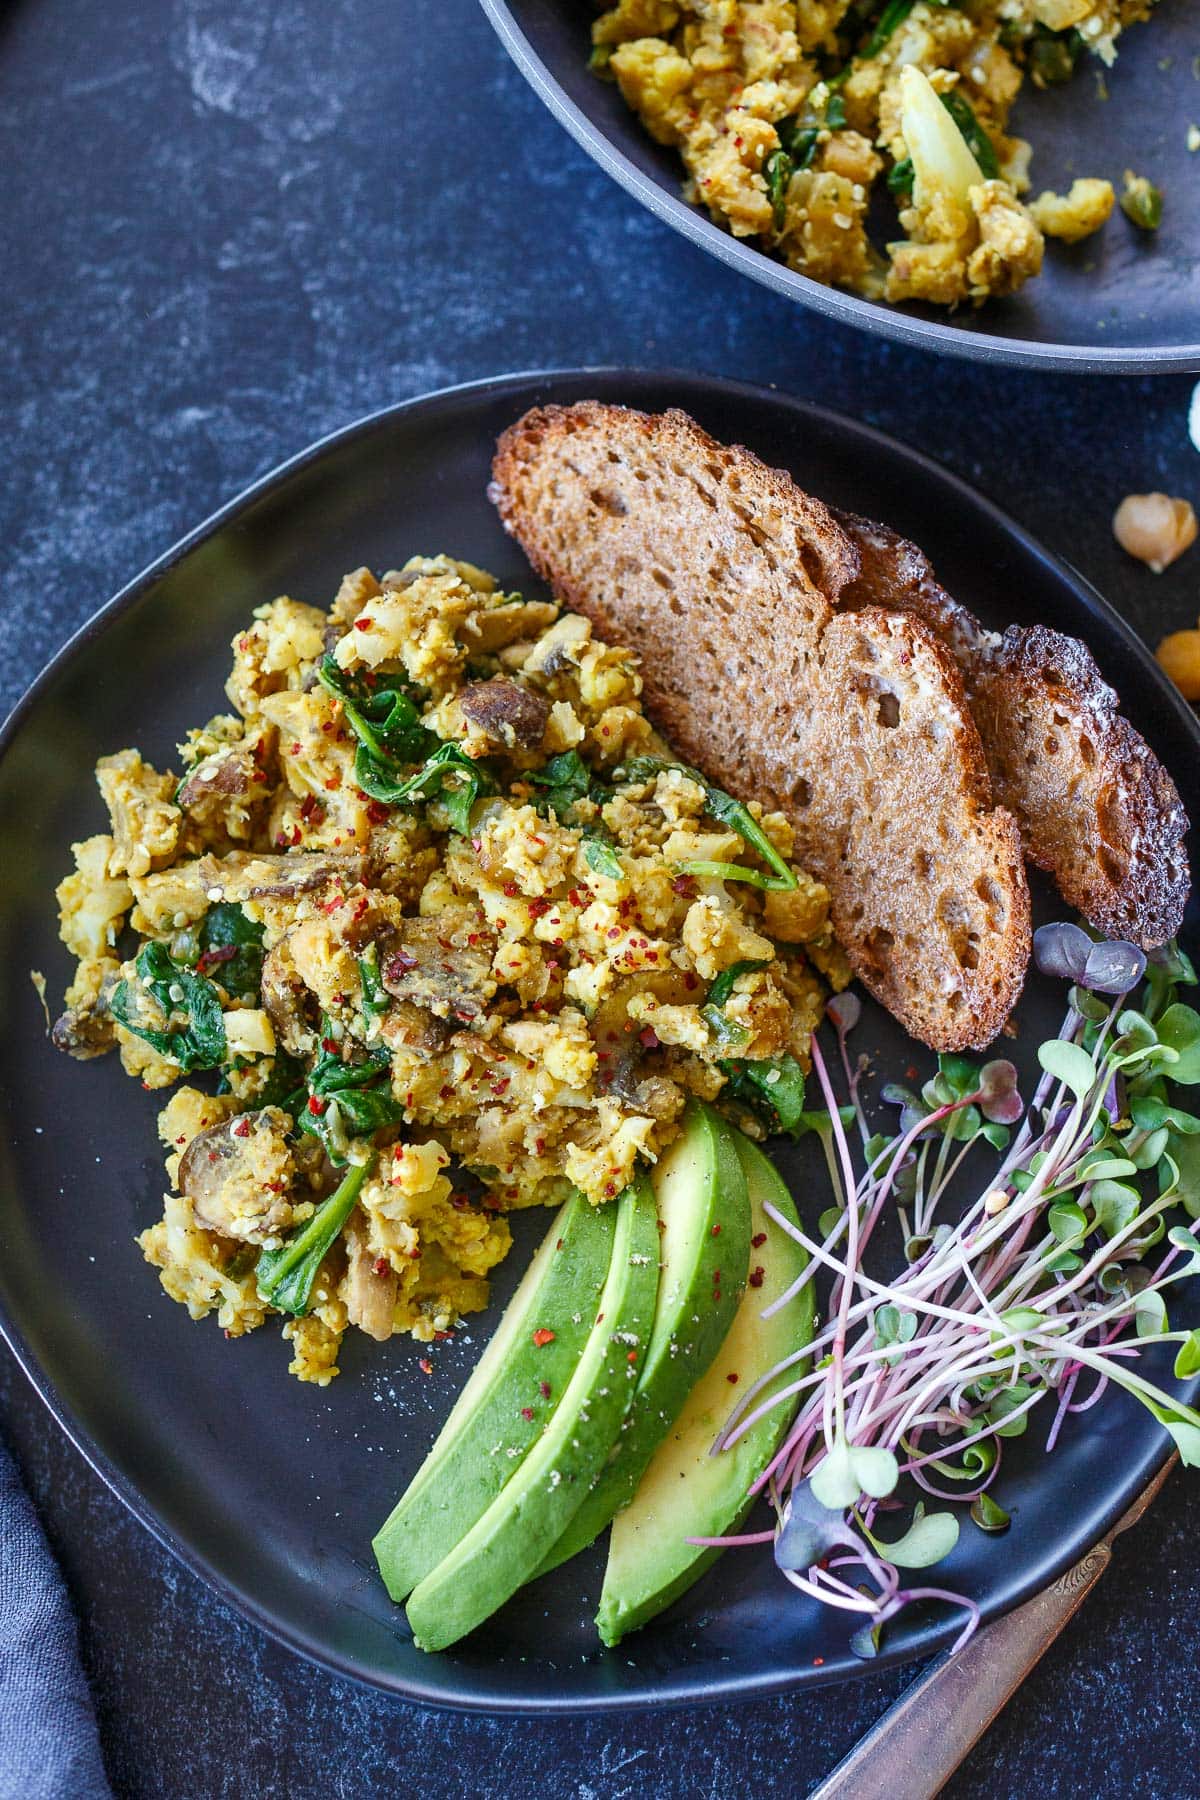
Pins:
<point x="691" y="982"/>
<point x="818" y="1662"/>
<point x="648" y="1038"/>
<point x="446" y="1093"/>
<point x="756" y="1276"/>
<point x="544" y="1389"/>
<point x="333" y="784"/>
<point x="716" y="1231"/>
<point x="441" y="1336"/>
<point x="527" y="1412"/>
<point x="331" y="1046"/>
<point x="242" y="1128"/>
<point x="542" y="1337"/>
<point x="632" y="1357"/>
<point x="377" y="812"/>
<point x="538" y="908"/>
<point x="558" y="1245"/>
<point x="316" y="1106"/>
<point x="758" y="1240"/>
<point x="425" y="1366"/>
<point x="381" y="1265"/>
<point x="311" y="810"/>
<point x="732" y="1380"/>
<point x="362" y="624"/>
<point x="212" y="959"/>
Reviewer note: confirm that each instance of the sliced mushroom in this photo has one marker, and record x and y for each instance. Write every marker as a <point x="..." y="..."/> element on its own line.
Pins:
<point x="83" y="1032"/>
<point x="287" y="1002"/>
<point x="429" y="968"/>
<point x="410" y="1027"/>
<point x="370" y="1285"/>
<point x="511" y="715"/>
<point x="279" y="877"/>
<point x="241" y="1176"/>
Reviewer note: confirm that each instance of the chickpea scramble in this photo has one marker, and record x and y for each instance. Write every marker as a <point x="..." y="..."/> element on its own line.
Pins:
<point x="433" y="891"/>
<point x="794" y="116"/>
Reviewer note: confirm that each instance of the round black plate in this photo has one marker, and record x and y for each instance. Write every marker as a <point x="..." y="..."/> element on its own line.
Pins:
<point x="1122" y="300"/>
<point x="270" y="1489"/>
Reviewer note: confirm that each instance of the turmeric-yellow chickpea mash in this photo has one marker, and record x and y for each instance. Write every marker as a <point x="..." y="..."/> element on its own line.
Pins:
<point x="794" y="118"/>
<point x="431" y="896"/>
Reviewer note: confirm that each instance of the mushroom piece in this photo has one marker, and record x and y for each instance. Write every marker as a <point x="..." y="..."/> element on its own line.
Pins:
<point x="279" y="877"/>
<point x="286" y="1001"/>
<point x="83" y="1032"/>
<point x="450" y="980"/>
<point x="513" y="716"/>
<point x="241" y="1175"/>
<point x="370" y="1285"/>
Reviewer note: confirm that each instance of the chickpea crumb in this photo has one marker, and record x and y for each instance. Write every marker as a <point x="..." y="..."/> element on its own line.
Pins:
<point x="1155" y="528"/>
<point x="1179" y="658"/>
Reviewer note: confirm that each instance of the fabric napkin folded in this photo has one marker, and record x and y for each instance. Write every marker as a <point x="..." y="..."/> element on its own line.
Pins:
<point x="49" y="1747"/>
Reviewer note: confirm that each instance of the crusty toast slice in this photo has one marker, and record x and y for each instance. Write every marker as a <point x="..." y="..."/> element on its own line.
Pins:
<point x="1095" y="806"/>
<point x="719" y="573"/>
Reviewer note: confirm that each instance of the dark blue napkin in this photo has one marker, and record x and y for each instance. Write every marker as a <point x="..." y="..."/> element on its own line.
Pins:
<point x="49" y="1749"/>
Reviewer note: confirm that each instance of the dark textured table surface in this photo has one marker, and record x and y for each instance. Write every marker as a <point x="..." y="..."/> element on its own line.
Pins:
<point x="227" y="226"/>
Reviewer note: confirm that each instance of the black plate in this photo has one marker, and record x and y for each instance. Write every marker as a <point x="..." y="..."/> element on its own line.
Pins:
<point x="1121" y="300"/>
<point x="270" y="1489"/>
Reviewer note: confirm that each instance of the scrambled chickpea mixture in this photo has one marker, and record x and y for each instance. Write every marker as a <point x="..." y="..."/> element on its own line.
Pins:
<point x="432" y="892"/>
<point x="793" y="116"/>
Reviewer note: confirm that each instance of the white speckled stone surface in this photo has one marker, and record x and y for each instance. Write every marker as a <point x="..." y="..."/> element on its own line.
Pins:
<point x="227" y="226"/>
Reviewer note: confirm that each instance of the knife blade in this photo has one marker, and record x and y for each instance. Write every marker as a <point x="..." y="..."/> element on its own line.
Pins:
<point x="912" y="1751"/>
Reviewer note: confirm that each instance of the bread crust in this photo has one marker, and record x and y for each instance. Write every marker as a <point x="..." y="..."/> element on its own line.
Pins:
<point x="720" y="574"/>
<point x="1096" y="807"/>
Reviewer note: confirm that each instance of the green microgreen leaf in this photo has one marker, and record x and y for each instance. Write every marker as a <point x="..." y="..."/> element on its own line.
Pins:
<point x="988" y="1515"/>
<point x="1069" y="1064"/>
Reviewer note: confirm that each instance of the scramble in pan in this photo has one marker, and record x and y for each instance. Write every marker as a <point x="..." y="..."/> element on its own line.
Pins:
<point x="795" y="117"/>
<point x="432" y="890"/>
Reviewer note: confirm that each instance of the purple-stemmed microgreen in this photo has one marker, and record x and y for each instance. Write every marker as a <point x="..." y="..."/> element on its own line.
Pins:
<point x="1050" y="1279"/>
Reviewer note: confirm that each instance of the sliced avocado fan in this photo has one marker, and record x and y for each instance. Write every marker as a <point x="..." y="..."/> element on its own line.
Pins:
<point x="532" y="1509"/>
<point x="686" y="1491"/>
<point x="513" y="1389"/>
<point x="704" y="1230"/>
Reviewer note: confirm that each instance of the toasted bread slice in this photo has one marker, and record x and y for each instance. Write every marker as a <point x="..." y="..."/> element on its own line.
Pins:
<point x="1095" y="806"/>
<point x="719" y="572"/>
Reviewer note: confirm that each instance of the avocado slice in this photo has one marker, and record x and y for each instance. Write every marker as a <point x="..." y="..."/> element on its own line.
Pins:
<point x="704" y="1234"/>
<point x="488" y="1433"/>
<point x="685" y="1491"/>
<point x="506" y="1544"/>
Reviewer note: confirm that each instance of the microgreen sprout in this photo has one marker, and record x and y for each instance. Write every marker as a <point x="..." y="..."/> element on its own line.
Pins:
<point x="1043" y="1248"/>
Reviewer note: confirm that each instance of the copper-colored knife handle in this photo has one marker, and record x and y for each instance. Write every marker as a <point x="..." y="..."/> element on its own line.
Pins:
<point x="914" y="1749"/>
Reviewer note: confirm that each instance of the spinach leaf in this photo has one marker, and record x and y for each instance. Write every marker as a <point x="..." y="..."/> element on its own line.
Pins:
<point x="977" y="140"/>
<point x="566" y="778"/>
<point x="375" y="998"/>
<point x="346" y="1100"/>
<point x="774" y="1089"/>
<point x="722" y="986"/>
<point x="285" y="1086"/>
<point x="172" y="990"/>
<point x="285" y="1276"/>
<point x="449" y="775"/>
<point x="600" y="852"/>
<point x="727" y="811"/>
<point x="233" y="945"/>
<point x="384" y="718"/>
<point x="1052" y="55"/>
<point x="778" y="171"/>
